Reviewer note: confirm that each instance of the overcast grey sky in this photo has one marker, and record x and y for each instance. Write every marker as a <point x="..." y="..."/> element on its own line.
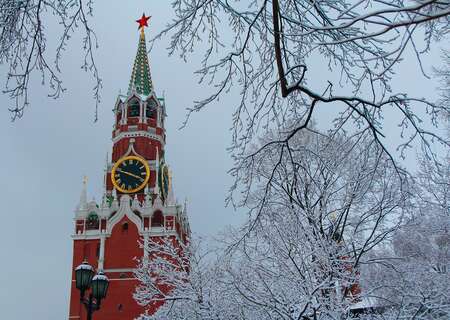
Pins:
<point x="46" y="154"/>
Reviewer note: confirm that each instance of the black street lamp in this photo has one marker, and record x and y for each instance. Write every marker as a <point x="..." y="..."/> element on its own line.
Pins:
<point x="85" y="280"/>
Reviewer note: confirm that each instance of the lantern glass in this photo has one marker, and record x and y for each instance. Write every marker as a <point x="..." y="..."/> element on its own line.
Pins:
<point x="100" y="286"/>
<point x="83" y="276"/>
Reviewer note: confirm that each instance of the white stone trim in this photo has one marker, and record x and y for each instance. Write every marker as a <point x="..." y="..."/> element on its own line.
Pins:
<point x="145" y="249"/>
<point x="101" y="258"/>
<point x="160" y="233"/>
<point x="140" y="133"/>
<point x="117" y="280"/>
<point x="91" y="232"/>
<point x="124" y="210"/>
<point x="83" y="236"/>
<point x="131" y="96"/>
<point x="80" y="214"/>
<point x="119" y="270"/>
<point x="142" y="112"/>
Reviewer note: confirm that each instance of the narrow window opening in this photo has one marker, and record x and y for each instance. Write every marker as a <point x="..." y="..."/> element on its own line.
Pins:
<point x="92" y="221"/>
<point x="158" y="219"/>
<point x="125" y="227"/>
<point x="150" y="110"/>
<point x="119" y="117"/>
<point x="134" y="108"/>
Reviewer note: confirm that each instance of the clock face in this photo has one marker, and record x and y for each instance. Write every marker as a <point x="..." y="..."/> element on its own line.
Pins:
<point x="164" y="180"/>
<point x="130" y="174"/>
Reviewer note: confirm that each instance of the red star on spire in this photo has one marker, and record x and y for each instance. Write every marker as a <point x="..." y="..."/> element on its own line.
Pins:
<point x="143" y="21"/>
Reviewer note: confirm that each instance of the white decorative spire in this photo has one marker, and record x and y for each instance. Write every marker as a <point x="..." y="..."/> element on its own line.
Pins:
<point x="83" y="197"/>
<point x="148" y="198"/>
<point x="156" y="188"/>
<point x="170" y="197"/>
<point x="104" y="181"/>
<point x="125" y="202"/>
<point x="115" y="205"/>
<point x="135" y="204"/>
<point x="158" y="204"/>
<point x="115" y="202"/>
<point x="185" y="205"/>
<point x="104" y="203"/>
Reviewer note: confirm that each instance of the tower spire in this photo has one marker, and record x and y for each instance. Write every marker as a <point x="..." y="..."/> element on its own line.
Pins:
<point x="141" y="80"/>
<point x="83" y="197"/>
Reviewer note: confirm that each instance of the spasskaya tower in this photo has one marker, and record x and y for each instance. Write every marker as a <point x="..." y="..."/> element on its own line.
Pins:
<point x="138" y="201"/>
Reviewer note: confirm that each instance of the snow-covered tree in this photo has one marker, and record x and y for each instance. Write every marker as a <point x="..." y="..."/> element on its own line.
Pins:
<point x="291" y="60"/>
<point x="180" y="282"/>
<point x="444" y="76"/>
<point x="310" y="230"/>
<point x="24" y="26"/>
<point x="412" y="279"/>
<point x="412" y="276"/>
<point x="313" y="225"/>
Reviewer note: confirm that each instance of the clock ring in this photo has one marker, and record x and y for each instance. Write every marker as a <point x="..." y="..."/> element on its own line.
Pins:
<point x="130" y="174"/>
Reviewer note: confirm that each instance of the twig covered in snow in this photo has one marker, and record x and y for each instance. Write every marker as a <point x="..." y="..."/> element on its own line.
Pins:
<point x="23" y="45"/>
<point x="271" y="59"/>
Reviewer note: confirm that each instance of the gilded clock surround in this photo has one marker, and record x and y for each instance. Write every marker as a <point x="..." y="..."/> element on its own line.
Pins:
<point x="115" y="170"/>
<point x="164" y="180"/>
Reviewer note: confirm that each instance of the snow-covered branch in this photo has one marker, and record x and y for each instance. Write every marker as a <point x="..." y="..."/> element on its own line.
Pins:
<point x="271" y="62"/>
<point x="23" y="45"/>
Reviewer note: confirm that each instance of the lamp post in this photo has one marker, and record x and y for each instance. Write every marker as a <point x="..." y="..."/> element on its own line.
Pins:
<point x="85" y="280"/>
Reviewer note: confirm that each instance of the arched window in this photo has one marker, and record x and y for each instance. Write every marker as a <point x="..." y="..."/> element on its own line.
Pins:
<point x="118" y="115"/>
<point x="125" y="227"/>
<point x="92" y="221"/>
<point x="134" y="108"/>
<point x="150" y="110"/>
<point x="158" y="219"/>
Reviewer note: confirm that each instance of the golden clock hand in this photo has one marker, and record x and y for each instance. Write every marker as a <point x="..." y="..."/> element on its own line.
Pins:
<point x="130" y="174"/>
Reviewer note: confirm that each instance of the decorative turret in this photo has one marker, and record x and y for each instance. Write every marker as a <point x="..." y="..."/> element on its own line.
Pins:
<point x="83" y="197"/>
<point x="141" y="80"/>
<point x="171" y="201"/>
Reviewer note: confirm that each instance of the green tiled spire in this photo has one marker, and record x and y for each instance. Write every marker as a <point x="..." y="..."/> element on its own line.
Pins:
<point x="141" y="80"/>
